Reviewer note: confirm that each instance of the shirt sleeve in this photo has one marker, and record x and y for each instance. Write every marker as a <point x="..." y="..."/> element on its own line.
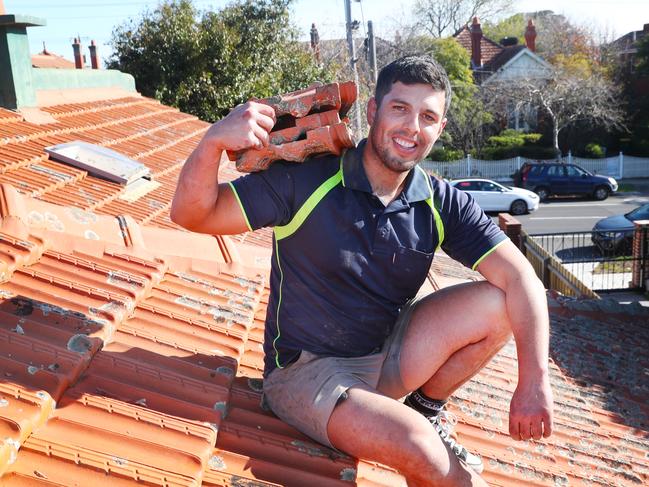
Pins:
<point x="266" y="197"/>
<point x="469" y="234"/>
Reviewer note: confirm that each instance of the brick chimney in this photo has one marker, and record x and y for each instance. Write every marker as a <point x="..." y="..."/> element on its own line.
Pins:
<point x="16" y="81"/>
<point x="476" y="39"/>
<point x="94" y="58"/>
<point x="76" y="47"/>
<point x="530" y="36"/>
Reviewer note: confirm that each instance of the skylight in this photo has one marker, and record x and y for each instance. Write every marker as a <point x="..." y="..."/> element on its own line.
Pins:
<point x="99" y="161"/>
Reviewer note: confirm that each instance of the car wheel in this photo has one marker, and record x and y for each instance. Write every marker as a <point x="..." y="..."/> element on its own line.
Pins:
<point x="600" y="193"/>
<point x="519" y="207"/>
<point x="543" y="192"/>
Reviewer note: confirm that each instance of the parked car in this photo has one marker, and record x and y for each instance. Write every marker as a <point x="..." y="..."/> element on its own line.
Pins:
<point x="557" y="178"/>
<point x="614" y="234"/>
<point x="492" y="196"/>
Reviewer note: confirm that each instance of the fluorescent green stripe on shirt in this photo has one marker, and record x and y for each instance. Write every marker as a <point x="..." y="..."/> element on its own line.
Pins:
<point x="477" y="262"/>
<point x="236" y="195"/>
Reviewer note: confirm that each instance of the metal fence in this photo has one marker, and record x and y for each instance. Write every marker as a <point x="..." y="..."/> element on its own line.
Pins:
<point x="620" y="166"/>
<point x="601" y="261"/>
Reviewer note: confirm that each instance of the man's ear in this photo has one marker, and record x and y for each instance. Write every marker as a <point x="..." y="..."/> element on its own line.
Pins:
<point x="371" y="110"/>
<point x="441" y="126"/>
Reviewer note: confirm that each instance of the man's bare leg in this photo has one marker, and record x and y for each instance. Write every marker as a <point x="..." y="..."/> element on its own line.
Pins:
<point x="372" y="426"/>
<point x="452" y="334"/>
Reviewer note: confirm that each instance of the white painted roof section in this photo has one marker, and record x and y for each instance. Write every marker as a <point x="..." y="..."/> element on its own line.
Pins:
<point x="99" y="161"/>
<point x="525" y="64"/>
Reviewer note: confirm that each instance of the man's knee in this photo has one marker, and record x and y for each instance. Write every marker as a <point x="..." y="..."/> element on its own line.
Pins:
<point x="427" y="461"/>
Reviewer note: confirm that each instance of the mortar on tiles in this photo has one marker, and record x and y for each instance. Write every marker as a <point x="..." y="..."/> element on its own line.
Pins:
<point x="348" y="474"/>
<point x="221" y="407"/>
<point x="119" y="278"/>
<point x="90" y="235"/>
<point x="217" y="463"/>
<point x="80" y="216"/>
<point x="219" y="314"/>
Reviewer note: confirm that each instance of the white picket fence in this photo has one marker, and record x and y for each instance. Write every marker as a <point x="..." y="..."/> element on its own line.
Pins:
<point x="619" y="167"/>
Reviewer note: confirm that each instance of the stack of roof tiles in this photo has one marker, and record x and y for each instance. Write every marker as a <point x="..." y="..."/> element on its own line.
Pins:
<point x="131" y="350"/>
<point x="308" y="124"/>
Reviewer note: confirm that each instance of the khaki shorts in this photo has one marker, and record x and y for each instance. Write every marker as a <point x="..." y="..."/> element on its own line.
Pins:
<point x="305" y="393"/>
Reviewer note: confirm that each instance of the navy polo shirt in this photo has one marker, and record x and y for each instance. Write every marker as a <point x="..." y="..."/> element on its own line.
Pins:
<point x="344" y="263"/>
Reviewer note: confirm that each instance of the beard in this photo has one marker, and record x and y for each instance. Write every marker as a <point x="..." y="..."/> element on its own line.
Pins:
<point x="386" y="155"/>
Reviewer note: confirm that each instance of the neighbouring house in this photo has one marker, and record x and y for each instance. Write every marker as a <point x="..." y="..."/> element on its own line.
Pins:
<point x="626" y="48"/>
<point x="505" y="61"/>
<point x="131" y="350"/>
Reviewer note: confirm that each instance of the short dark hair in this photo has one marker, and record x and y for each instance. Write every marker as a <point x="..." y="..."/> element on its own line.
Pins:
<point x="411" y="70"/>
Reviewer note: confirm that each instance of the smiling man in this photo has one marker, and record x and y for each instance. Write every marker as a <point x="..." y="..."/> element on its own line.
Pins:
<point x="347" y="338"/>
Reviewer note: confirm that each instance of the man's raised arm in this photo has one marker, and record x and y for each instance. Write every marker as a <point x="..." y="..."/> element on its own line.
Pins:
<point x="200" y="203"/>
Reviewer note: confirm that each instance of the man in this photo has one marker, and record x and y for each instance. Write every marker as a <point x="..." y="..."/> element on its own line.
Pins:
<point x="354" y="238"/>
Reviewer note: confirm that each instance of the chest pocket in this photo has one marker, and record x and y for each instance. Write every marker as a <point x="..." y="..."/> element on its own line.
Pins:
<point x="411" y="268"/>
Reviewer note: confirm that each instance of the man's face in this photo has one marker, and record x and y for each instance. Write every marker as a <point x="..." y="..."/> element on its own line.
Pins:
<point x="406" y="124"/>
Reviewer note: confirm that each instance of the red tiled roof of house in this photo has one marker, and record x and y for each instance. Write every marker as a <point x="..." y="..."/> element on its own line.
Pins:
<point x="49" y="60"/>
<point x="488" y="48"/>
<point x="131" y="350"/>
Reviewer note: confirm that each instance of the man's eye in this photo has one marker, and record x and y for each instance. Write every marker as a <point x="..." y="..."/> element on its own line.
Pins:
<point x="429" y="118"/>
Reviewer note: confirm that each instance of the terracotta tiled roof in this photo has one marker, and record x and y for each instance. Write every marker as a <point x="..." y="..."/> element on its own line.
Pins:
<point x="131" y="350"/>
<point x="488" y="48"/>
<point x="49" y="60"/>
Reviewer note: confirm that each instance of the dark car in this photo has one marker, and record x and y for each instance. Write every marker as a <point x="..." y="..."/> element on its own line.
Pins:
<point x="557" y="178"/>
<point x="615" y="233"/>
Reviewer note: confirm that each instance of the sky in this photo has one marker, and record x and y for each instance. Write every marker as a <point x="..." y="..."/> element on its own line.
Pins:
<point x="95" y="20"/>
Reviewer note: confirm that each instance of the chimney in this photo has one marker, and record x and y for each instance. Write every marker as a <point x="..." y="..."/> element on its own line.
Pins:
<point x="530" y="36"/>
<point x="76" y="47"/>
<point x="476" y="39"/>
<point x="16" y="82"/>
<point x="94" y="58"/>
<point x="645" y="28"/>
<point x="315" y="42"/>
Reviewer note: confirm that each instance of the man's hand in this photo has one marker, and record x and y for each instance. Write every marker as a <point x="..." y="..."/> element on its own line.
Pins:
<point x="246" y="126"/>
<point x="531" y="409"/>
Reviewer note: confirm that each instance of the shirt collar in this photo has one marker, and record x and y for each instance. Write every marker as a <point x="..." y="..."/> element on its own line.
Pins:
<point x="354" y="177"/>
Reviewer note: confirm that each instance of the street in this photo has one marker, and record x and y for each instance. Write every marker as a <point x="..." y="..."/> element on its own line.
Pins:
<point x="576" y="214"/>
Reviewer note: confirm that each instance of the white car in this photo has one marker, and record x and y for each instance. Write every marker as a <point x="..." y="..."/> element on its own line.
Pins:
<point x="492" y="196"/>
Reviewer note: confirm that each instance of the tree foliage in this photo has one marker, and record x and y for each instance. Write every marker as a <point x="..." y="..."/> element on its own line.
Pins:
<point x="206" y="62"/>
<point x="568" y="98"/>
<point x="444" y="17"/>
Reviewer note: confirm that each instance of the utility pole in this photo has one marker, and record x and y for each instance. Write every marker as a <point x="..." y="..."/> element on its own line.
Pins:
<point x="372" y="50"/>
<point x="352" y="55"/>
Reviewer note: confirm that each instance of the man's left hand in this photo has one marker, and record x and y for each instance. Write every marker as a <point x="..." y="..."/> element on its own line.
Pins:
<point x="530" y="411"/>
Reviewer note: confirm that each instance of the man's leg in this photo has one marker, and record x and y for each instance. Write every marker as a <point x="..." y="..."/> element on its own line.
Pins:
<point x="372" y="426"/>
<point x="452" y="334"/>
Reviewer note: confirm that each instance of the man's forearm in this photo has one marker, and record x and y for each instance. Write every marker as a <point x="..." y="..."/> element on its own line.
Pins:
<point x="528" y="313"/>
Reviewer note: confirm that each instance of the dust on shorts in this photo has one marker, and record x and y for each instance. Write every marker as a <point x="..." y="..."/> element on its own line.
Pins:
<point x="305" y="393"/>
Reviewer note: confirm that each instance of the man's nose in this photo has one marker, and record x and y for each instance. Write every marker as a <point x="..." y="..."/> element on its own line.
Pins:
<point x="412" y="123"/>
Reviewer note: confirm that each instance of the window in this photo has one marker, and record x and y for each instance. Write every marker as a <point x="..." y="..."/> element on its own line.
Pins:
<point x="575" y="171"/>
<point x="556" y="171"/>
<point x="491" y="187"/>
<point x="99" y="161"/>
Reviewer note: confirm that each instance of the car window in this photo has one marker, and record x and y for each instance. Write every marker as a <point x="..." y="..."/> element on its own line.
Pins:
<point x="468" y="185"/>
<point x="641" y="213"/>
<point x="574" y="171"/>
<point x="490" y="187"/>
<point x="556" y="171"/>
<point x="535" y="170"/>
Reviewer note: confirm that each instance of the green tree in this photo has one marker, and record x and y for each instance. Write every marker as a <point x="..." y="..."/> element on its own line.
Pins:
<point x="513" y="26"/>
<point x="469" y="114"/>
<point x="206" y="62"/>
